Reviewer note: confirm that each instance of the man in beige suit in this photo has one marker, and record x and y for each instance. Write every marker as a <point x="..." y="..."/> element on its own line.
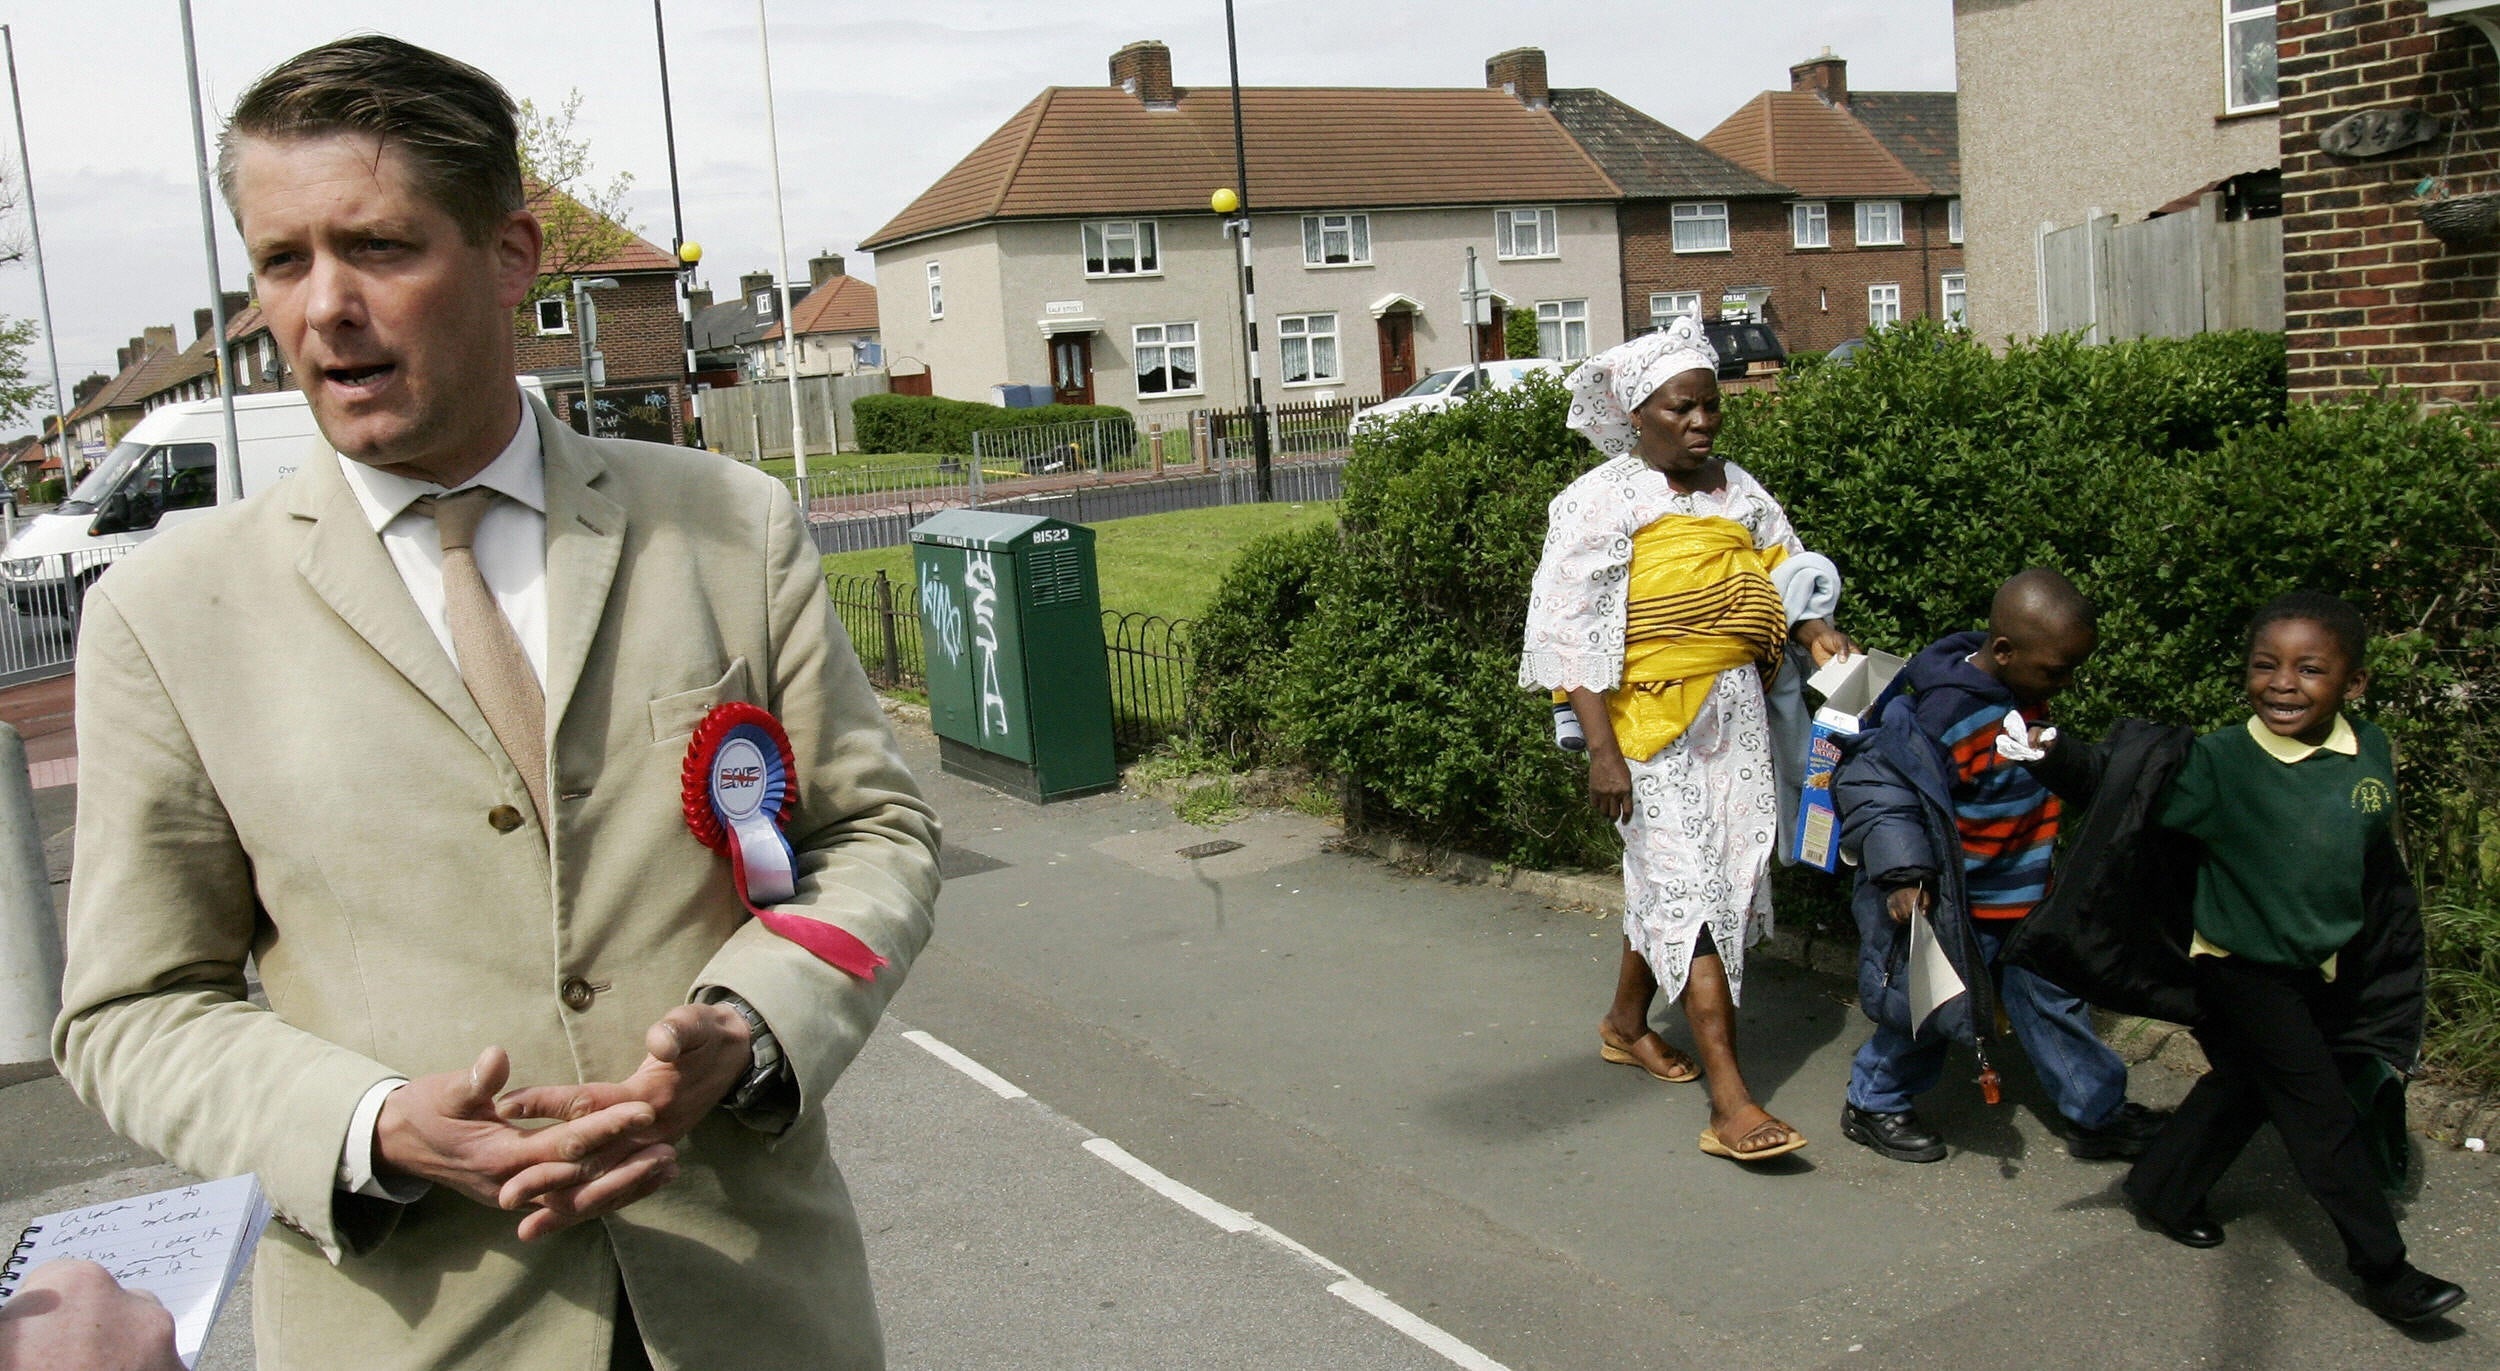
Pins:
<point x="407" y="730"/>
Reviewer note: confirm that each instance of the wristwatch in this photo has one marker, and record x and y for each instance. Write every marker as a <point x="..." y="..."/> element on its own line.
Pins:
<point x="765" y="1097"/>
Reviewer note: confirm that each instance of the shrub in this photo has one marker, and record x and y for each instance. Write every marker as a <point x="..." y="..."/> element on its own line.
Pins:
<point x="49" y="491"/>
<point x="1238" y="642"/>
<point x="927" y="423"/>
<point x="1519" y="335"/>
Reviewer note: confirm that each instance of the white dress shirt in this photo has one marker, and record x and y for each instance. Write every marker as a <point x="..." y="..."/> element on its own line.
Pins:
<point x="511" y="552"/>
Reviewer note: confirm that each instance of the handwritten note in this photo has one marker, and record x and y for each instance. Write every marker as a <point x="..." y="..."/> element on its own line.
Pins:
<point x="186" y="1246"/>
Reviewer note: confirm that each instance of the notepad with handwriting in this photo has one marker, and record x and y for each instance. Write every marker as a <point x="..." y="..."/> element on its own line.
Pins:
<point x="186" y="1246"/>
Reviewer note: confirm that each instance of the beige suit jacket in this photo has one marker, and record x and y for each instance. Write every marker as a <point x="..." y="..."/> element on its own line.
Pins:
<point x="279" y="761"/>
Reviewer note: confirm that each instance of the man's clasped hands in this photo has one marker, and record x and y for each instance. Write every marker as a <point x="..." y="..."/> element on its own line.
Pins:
<point x="607" y="1146"/>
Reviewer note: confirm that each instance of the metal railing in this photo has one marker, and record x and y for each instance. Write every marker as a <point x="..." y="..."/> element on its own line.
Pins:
<point x="884" y="629"/>
<point x="1078" y="445"/>
<point x="39" y="628"/>
<point x="1300" y="428"/>
<point x="869" y="516"/>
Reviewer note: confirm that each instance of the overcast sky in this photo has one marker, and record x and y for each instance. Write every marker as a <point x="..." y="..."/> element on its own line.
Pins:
<point x="876" y="100"/>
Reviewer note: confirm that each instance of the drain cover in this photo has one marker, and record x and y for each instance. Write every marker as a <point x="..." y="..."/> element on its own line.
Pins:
<point x="1216" y="848"/>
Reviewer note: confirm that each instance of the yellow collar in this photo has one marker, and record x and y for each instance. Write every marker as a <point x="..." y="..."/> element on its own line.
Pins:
<point x="2290" y="750"/>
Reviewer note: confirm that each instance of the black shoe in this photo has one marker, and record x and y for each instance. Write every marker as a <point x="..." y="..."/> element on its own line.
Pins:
<point x="2197" y="1230"/>
<point x="2125" y="1133"/>
<point x="2412" y="1295"/>
<point x="1898" y="1136"/>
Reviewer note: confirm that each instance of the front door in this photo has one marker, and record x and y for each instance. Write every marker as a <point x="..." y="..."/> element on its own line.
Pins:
<point x="1072" y="369"/>
<point x="1491" y="344"/>
<point x="1397" y="352"/>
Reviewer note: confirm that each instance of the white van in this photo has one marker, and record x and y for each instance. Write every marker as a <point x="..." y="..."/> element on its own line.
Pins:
<point x="161" y="474"/>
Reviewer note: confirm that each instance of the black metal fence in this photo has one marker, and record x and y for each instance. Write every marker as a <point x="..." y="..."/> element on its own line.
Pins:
<point x="1230" y="483"/>
<point x="1148" y="656"/>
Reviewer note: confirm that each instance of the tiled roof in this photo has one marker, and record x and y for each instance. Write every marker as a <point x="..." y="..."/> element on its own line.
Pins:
<point x="131" y="385"/>
<point x="845" y="304"/>
<point x="1646" y="158"/>
<point x="246" y="323"/>
<point x="1099" y="150"/>
<point x="1811" y="147"/>
<point x="1920" y="127"/>
<point x="638" y="253"/>
<point x="188" y="365"/>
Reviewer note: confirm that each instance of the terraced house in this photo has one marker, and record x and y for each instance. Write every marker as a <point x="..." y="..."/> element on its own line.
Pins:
<point x="1075" y="245"/>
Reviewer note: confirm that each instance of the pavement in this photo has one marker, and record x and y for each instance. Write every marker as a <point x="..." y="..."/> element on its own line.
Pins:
<point x="1289" y="1106"/>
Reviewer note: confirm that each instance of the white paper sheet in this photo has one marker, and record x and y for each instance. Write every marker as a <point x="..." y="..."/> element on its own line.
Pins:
<point x="1933" y="981"/>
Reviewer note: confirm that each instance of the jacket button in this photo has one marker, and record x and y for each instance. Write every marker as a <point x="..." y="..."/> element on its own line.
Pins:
<point x="577" y="994"/>
<point x="503" y="818"/>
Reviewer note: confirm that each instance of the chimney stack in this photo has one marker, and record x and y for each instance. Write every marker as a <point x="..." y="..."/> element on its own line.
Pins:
<point x="823" y="267"/>
<point x="121" y="358"/>
<point x="752" y="282"/>
<point x="1520" y="74"/>
<point x="698" y="299"/>
<point x="1144" y="69"/>
<point x="86" y="389"/>
<point x="202" y="320"/>
<point x="160" y="339"/>
<point x="1826" y="78"/>
<point x="237" y="301"/>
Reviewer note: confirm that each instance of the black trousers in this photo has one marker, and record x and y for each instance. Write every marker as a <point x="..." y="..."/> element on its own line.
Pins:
<point x="2270" y="1061"/>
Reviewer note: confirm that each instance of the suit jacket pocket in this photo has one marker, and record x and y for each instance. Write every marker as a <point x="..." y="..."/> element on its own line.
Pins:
<point x="675" y="716"/>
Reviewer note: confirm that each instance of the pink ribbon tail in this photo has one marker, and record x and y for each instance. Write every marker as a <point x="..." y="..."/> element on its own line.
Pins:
<point x="835" y="946"/>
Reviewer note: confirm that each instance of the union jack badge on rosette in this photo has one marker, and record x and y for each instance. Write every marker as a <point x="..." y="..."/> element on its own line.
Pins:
<point x="739" y="790"/>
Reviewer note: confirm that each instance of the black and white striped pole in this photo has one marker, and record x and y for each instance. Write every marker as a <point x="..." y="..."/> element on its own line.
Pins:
<point x="1239" y="227"/>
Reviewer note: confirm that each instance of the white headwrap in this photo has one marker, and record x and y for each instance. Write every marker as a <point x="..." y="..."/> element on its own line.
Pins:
<point x="1609" y="386"/>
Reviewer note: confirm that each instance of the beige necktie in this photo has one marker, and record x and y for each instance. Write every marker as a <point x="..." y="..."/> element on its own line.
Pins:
<point x="488" y="652"/>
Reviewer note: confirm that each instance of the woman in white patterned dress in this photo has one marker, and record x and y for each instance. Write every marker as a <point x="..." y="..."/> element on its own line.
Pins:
<point x="1653" y="613"/>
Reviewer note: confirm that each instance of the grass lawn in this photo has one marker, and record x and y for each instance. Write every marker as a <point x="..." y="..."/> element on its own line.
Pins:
<point x="818" y="462"/>
<point x="1164" y="564"/>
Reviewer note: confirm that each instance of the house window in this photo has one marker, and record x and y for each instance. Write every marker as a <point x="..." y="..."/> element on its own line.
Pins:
<point x="763" y="307"/>
<point x="1879" y="223"/>
<point x="937" y="293"/>
<point x="1667" y="306"/>
<point x="554" y="316"/>
<point x="1336" y="240"/>
<point x="2247" y="55"/>
<point x="1310" y="344"/>
<point x="1883" y="305"/>
<point x="1122" y="247"/>
<point x="1953" y="220"/>
<point x="1524" y="233"/>
<point x="1700" y="227"/>
<point x="1956" y="298"/>
<point x="1562" y="329"/>
<point x="1810" y="224"/>
<point x="1167" y="359"/>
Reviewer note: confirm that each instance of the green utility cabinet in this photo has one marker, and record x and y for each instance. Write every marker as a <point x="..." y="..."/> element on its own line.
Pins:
<point x="1011" y="626"/>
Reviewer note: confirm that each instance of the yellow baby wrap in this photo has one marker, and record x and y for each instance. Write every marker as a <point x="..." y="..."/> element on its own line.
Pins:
<point x="1701" y="602"/>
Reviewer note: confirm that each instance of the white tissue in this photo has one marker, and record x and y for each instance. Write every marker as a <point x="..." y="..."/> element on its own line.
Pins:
<point x="2014" y="744"/>
<point x="2473" y="1144"/>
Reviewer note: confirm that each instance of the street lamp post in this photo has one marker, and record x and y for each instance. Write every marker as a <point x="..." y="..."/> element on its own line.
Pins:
<point x="1240" y="227"/>
<point x="585" y="332"/>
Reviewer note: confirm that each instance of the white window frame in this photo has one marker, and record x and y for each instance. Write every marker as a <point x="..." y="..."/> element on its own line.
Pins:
<point x="1953" y="220"/>
<point x="1662" y="306"/>
<point x="1565" y="318"/>
<point x="1164" y="343"/>
<point x="1810" y="224"/>
<point x="1883" y="305"/>
<point x="2236" y="13"/>
<point x="1953" y="287"/>
<point x="564" y="316"/>
<point x="937" y="292"/>
<point x="1305" y="333"/>
<point x="1145" y="238"/>
<point x="1541" y="223"/>
<point x="1700" y="216"/>
<point x="1357" y="229"/>
<point x="1866" y="214"/>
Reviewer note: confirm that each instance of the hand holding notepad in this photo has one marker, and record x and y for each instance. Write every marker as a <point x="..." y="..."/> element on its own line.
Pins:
<point x="186" y="1246"/>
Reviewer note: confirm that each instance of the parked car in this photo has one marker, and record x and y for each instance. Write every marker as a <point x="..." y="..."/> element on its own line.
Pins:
<point x="1450" y="386"/>
<point x="163" y="472"/>
<point x="1741" y="343"/>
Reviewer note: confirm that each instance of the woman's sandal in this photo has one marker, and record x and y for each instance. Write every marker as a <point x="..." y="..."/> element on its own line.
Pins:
<point x="1673" y="1067"/>
<point x="1790" y="1142"/>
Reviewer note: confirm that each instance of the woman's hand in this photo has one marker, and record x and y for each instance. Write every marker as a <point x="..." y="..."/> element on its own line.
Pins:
<point x="1610" y="785"/>
<point x="1824" y="642"/>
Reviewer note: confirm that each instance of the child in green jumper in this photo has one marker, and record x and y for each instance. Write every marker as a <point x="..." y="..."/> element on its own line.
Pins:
<point x="2295" y="811"/>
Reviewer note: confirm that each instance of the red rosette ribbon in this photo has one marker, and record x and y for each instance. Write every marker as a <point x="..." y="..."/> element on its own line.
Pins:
<point x="739" y="785"/>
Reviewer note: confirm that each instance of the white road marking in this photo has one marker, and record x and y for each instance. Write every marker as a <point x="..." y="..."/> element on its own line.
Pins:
<point x="1354" y="1292"/>
<point x="1223" y="1216"/>
<point x="998" y="1085"/>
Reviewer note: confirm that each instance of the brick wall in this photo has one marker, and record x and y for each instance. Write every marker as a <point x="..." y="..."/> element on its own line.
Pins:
<point x="639" y="334"/>
<point x="2369" y="295"/>
<point x="1818" y="295"/>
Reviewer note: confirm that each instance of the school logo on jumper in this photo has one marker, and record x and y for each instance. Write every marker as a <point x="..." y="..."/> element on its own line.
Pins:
<point x="2371" y="796"/>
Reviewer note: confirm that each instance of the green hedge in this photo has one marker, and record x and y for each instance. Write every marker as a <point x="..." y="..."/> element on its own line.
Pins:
<point x="926" y="423"/>
<point x="49" y="491"/>
<point x="2166" y="475"/>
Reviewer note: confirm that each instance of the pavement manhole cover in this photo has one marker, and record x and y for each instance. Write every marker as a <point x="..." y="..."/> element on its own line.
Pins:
<point x="1216" y="848"/>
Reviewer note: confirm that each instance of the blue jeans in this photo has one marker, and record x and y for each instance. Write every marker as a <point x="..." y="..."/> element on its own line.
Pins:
<point x="2086" y="1080"/>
